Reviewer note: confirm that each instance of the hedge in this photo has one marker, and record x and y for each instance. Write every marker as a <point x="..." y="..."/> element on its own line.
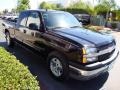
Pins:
<point x="114" y="25"/>
<point x="74" y="10"/>
<point x="94" y="28"/>
<point x="14" y="75"/>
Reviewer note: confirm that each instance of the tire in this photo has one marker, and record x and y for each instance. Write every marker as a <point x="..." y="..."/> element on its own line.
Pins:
<point x="58" y="66"/>
<point x="9" y="40"/>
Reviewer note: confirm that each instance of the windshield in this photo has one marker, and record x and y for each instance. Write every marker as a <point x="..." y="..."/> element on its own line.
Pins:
<point x="60" y="20"/>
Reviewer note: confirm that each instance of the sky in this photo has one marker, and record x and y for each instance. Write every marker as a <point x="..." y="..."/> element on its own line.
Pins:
<point x="9" y="4"/>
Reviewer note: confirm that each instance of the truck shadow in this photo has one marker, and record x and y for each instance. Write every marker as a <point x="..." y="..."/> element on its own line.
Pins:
<point x="37" y="66"/>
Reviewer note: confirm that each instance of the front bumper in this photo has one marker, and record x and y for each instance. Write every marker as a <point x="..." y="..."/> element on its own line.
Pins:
<point x="86" y="74"/>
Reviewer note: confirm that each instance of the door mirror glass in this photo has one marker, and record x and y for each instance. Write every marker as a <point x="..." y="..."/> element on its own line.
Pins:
<point x="33" y="26"/>
<point x="15" y="21"/>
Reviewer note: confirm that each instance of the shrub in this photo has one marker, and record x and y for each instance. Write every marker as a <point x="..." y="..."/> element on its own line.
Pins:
<point x="74" y="10"/>
<point x="114" y="25"/>
<point x="14" y="75"/>
<point x="94" y="28"/>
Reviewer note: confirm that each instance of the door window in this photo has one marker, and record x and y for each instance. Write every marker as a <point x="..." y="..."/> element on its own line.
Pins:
<point x="33" y="21"/>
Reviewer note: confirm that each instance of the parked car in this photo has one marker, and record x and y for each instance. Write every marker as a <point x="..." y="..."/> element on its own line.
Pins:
<point x="71" y="50"/>
<point x="5" y="17"/>
<point x="9" y="22"/>
<point x="84" y="18"/>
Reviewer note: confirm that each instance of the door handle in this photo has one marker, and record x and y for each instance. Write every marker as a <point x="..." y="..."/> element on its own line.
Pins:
<point x="32" y="33"/>
<point x="24" y="31"/>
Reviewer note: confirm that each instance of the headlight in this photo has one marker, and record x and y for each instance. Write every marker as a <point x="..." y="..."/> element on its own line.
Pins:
<point x="88" y="55"/>
<point x="91" y="50"/>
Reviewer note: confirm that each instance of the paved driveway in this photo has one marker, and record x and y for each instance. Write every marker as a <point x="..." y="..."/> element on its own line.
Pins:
<point x="37" y="66"/>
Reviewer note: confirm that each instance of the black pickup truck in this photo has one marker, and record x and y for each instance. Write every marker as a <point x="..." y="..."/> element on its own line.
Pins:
<point x="71" y="50"/>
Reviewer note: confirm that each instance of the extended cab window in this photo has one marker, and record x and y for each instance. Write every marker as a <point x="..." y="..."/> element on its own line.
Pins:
<point x="23" y="18"/>
<point x="33" y="21"/>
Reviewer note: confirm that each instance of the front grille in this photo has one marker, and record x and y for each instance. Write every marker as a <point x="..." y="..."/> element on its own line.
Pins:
<point x="105" y="56"/>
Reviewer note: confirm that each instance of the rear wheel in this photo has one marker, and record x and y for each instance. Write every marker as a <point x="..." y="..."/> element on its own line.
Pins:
<point x="57" y="66"/>
<point x="9" y="40"/>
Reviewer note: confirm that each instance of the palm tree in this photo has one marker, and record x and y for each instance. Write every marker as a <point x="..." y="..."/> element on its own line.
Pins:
<point x="109" y="5"/>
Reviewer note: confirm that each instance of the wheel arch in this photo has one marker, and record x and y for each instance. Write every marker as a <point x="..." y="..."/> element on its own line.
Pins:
<point x="51" y="49"/>
<point x="6" y="30"/>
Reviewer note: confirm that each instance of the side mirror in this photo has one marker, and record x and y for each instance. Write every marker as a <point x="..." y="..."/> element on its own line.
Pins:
<point x="3" y="24"/>
<point x="33" y="26"/>
<point x="15" y="21"/>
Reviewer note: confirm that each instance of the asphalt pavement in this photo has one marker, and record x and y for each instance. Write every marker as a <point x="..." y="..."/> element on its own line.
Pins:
<point x="37" y="66"/>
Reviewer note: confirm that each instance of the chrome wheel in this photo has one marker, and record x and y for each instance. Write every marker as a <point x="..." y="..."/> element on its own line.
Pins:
<point x="56" y="67"/>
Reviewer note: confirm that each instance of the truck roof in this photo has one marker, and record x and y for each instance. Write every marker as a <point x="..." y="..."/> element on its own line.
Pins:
<point x="44" y="10"/>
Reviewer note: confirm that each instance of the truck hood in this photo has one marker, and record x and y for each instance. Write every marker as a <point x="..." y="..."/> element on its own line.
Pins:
<point x="84" y="36"/>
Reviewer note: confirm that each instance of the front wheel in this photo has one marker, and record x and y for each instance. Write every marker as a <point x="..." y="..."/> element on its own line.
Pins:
<point x="9" y="40"/>
<point x="58" y="66"/>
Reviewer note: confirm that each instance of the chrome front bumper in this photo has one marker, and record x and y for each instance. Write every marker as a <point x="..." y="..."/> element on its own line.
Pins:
<point x="89" y="74"/>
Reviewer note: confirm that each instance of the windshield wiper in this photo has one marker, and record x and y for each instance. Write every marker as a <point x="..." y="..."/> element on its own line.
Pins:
<point x="57" y="27"/>
<point x="75" y="27"/>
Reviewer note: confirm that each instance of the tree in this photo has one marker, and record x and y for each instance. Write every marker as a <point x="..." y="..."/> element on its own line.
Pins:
<point x="107" y="5"/>
<point x="13" y="10"/>
<point x="23" y="5"/>
<point x="83" y="6"/>
<point x="117" y="14"/>
<point x="103" y="6"/>
<point x="59" y="6"/>
<point x="45" y="5"/>
<point x="5" y="11"/>
<point x="42" y="5"/>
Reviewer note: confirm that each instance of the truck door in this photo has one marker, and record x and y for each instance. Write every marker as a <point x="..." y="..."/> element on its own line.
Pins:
<point x="33" y="34"/>
<point x="20" y="29"/>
